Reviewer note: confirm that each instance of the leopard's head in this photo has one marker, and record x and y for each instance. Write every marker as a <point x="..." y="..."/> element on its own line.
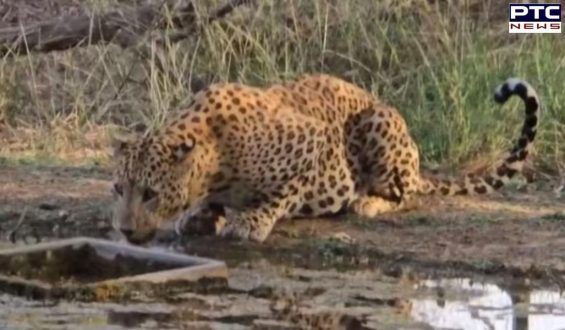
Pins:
<point x="156" y="177"/>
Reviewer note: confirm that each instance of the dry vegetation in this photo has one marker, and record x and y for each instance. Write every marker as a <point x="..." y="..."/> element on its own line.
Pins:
<point x="437" y="61"/>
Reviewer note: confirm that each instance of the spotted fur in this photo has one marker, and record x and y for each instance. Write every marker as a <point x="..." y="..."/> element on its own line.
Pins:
<point x="313" y="146"/>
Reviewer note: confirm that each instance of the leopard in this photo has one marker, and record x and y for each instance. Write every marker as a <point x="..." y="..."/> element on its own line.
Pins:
<point x="308" y="147"/>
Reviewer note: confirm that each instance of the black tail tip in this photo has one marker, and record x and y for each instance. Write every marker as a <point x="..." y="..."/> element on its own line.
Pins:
<point x="509" y="87"/>
<point x="502" y="94"/>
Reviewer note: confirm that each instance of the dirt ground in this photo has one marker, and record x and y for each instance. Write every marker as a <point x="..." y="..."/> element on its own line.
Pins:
<point x="520" y="227"/>
<point x="517" y="234"/>
<point x="346" y="265"/>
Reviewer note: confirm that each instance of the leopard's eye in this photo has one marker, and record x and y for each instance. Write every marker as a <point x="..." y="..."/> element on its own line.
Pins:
<point x="118" y="189"/>
<point x="148" y="194"/>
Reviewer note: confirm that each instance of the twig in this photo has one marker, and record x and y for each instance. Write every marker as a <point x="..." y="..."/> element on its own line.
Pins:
<point x="216" y="15"/>
<point x="228" y="8"/>
<point x="12" y="233"/>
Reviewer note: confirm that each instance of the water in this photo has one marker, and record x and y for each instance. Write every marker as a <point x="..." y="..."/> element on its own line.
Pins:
<point x="447" y="304"/>
<point x="75" y="264"/>
<point x="20" y="314"/>
<point x="460" y="304"/>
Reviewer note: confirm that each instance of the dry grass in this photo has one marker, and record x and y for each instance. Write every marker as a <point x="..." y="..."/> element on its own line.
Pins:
<point x="438" y="63"/>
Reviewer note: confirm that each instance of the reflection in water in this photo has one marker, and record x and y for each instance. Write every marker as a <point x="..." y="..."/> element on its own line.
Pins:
<point x="484" y="307"/>
<point x="547" y="310"/>
<point x="17" y="313"/>
<point x="462" y="304"/>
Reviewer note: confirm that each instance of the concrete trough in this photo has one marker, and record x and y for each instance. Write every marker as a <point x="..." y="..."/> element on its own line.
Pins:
<point x="97" y="270"/>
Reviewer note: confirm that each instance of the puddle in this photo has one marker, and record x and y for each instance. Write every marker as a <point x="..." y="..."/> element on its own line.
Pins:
<point x="461" y="304"/>
<point x="21" y="314"/>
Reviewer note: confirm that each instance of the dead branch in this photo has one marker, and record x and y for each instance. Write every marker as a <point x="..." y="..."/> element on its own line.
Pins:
<point x="124" y="27"/>
<point x="216" y="15"/>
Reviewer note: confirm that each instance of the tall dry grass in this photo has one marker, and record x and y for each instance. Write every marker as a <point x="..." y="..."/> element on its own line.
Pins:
<point x="438" y="63"/>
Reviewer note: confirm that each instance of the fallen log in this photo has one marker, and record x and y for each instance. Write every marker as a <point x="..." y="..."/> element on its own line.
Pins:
<point x="124" y="27"/>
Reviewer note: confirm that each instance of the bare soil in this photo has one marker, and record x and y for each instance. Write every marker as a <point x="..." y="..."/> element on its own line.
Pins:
<point x="517" y="234"/>
<point x="519" y="227"/>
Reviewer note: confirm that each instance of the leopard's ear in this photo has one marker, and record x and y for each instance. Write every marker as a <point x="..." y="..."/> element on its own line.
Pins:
<point x="121" y="138"/>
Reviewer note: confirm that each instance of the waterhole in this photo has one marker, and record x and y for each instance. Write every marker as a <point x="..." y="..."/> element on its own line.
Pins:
<point x="461" y="304"/>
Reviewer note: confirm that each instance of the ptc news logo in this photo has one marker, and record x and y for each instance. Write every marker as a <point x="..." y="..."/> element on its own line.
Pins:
<point x="534" y="18"/>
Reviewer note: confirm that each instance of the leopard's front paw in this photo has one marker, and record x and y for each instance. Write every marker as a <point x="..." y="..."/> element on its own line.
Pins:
<point x="240" y="228"/>
<point x="240" y="231"/>
<point x="201" y="222"/>
<point x="364" y="207"/>
<point x="370" y="207"/>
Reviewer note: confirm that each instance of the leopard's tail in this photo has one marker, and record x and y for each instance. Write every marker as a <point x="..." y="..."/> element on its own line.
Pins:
<point x="511" y="165"/>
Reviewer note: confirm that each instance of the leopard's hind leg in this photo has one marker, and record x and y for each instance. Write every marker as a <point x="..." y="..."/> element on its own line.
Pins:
<point x="384" y="159"/>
